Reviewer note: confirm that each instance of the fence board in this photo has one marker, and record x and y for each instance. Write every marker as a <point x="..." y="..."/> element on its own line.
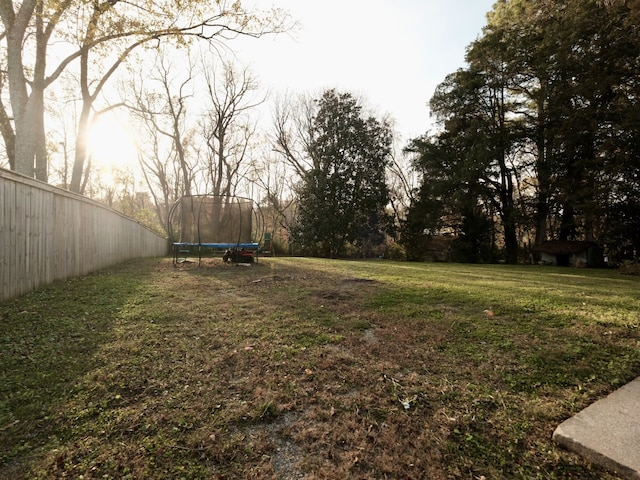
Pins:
<point x="49" y="234"/>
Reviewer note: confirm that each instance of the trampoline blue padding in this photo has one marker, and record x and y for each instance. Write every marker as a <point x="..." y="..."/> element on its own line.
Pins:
<point x="217" y="245"/>
<point x="243" y="248"/>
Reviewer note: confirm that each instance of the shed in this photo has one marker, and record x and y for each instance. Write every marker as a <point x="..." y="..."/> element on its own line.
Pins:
<point x="574" y="253"/>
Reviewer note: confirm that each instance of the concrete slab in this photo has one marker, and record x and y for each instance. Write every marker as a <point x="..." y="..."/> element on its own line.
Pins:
<point x="607" y="432"/>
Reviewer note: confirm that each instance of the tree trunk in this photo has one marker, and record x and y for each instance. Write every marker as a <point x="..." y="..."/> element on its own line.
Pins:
<point x="37" y="99"/>
<point x="25" y="140"/>
<point x="78" y="171"/>
<point x="541" y="214"/>
<point x="40" y="137"/>
<point x="510" y="233"/>
<point x="9" y="137"/>
<point x="19" y="96"/>
<point x="28" y="110"/>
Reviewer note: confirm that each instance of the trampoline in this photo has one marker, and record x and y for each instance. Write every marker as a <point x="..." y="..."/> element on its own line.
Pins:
<point x="229" y="226"/>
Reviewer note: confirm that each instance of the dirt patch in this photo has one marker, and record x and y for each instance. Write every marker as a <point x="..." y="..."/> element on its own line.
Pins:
<point x="370" y="338"/>
<point x="359" y="280"/>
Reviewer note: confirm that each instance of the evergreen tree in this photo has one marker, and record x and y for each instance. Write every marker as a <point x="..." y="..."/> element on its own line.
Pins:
<point x="343" y="193"/>
<point x="549" y="103"/>
<point x="471" y="158"/>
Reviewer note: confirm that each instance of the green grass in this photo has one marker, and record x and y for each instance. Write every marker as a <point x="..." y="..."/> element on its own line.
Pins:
<point x="303" y="367"/>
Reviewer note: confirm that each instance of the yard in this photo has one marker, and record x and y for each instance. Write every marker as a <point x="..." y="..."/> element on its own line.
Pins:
<point x="307" y="368"/>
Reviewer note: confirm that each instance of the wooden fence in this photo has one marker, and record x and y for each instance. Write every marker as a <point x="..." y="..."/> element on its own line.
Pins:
<point x="49" y="234"/>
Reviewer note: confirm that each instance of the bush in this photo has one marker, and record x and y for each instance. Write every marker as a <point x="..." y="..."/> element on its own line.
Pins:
<point x="630" y="269"/>
<point x="395" y="251"/>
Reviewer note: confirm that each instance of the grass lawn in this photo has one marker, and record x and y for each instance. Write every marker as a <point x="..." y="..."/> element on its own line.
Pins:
<point x="307" y="368"/>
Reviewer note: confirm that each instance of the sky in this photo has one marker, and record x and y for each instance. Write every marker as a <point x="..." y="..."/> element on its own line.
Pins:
<point x="392" y="53"/>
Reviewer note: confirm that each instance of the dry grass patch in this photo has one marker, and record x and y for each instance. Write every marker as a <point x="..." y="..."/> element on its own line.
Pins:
<point x="302" y="368"/>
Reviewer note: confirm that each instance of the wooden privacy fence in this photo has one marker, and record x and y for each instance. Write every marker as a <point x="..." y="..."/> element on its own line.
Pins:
<point x="48" y="234"/>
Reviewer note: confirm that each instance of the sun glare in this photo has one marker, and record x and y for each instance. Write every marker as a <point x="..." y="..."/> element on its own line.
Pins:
<point x="112" y="147"/>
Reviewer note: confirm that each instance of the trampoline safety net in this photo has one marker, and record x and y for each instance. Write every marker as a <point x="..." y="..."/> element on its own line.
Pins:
<point x="215" y="220"/>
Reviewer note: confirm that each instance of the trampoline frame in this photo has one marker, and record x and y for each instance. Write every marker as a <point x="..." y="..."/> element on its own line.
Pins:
<point x="235" y="249"/>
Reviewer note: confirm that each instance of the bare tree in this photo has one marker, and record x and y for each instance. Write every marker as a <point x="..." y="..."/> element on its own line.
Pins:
<point x="226" y="127"/>
<point x="25" y="26"/>
<point x="161" y="102"/>
<point x="292" y="131"/>
<point x="61" y="145"/>
<point x="112" y="28"/>
<point x="231" y="20"/>
<point x="402" y="182"/>
<point x="274" y="178"/>
<point x="6" y="128"/>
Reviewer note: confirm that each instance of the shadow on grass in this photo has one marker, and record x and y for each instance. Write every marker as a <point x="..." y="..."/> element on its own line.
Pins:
<point x="48" y="341"/>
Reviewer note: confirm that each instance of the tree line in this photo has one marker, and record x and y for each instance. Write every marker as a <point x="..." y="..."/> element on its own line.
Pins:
<point x="540" y="136"/>
<point x="536" y="136"/>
